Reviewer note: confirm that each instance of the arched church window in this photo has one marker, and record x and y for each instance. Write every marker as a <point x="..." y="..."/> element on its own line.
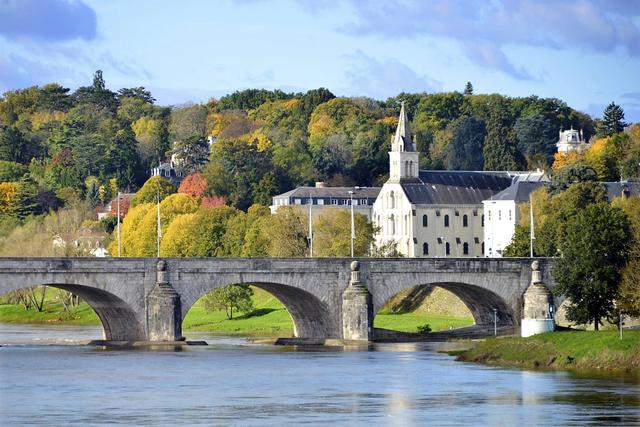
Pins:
<point x="392" y="200"/>
<point x="465" y="221"/>
<point x="425" y="220"/>
<point x="425" y="248"/>
<point x="465" y="248"/>
<point x="446" y="220"/>
<point x="447" y="248"/>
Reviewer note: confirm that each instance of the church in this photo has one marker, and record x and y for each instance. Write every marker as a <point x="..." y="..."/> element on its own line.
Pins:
<point x="437" y="213"/>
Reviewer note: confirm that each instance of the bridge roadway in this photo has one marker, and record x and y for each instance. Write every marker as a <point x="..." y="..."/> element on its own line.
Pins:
<point x="145" y="299"/>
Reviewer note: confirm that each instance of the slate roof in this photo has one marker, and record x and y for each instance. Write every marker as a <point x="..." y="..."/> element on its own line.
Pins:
<point x="615" y="189"/>
<point x="332" y="192"/>
<point x="455" y="187"/>
<point x="519" y="191"/>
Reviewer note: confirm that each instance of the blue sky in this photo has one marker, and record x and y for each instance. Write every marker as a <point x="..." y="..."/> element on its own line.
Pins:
<point x="585" y="52"/>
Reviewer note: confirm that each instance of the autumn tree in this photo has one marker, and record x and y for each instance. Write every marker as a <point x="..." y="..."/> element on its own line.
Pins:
<point x="193" y="184"/>
<point x="332" y="234"/>
<point x="156" y="185"/>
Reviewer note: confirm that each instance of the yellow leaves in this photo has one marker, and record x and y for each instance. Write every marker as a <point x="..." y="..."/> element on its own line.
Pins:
<point x="290" y="104"/>
<point x="561" y="160"/>
<point x="41" y="119"/>
<point x="146" y="127"/>
<point x="389" y="121"/>
<point x="179" y="235"/>
<point x="321" y="125"/>
<point x="260" y="141"/>
<point x="8" y="191"/>
<point x="602" y="156"/>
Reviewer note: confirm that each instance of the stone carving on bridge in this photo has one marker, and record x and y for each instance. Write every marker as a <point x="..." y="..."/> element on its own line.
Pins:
<point x="538" y="305"/>
<point x="357" y="308"/>
<point x="164" y="312"/>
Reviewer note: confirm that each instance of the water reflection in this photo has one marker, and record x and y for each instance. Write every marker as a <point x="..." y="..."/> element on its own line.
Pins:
<point x="233" y="381"/>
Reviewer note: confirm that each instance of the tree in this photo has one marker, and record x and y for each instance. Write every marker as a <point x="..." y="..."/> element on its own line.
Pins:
<point x="536" y="139"/>
<point x="499" y="149"/>
<point x="588" y="272"/>
<point x="193" y="184"/>
<point x="229" y="298"/>
<point x="150" y="190"/>
<point x="612" y="120"/>
<point x="572" y="174"/>
<point x="468" y="89"/>
<point x="189" y="122"/>
<point x="332" y="235"/>
<point x="465" y="149"/>
<point x="191" y="154"/>
<point x="137" y="92"/>
<point x="628" y="301"/>
<point x="286" y="233"/>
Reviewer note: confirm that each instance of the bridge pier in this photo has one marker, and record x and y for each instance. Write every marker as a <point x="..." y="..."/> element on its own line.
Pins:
<point x="357" y="309"/>
<point x="538" y="306"/>
<point x="164" y="313"/>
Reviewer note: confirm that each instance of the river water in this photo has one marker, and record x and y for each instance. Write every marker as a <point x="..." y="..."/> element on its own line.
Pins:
<point x="46" y="380"/>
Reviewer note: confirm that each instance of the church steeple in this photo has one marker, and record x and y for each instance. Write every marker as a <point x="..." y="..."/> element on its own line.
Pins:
<point x="402" y="140"/>
<point x="403" y="157"/>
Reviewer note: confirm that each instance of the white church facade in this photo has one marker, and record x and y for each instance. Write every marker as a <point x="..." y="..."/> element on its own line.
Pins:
<point x="436" y="213"/>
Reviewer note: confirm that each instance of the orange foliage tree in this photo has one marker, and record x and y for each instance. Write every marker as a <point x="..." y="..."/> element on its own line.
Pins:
<point x="193" y="185"/>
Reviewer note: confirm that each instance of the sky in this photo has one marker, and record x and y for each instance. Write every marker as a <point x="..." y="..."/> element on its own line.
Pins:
<point x="585" y="52"/>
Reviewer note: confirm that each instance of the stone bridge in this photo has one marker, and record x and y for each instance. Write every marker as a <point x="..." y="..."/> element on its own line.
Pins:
<point x="145" y="299"/>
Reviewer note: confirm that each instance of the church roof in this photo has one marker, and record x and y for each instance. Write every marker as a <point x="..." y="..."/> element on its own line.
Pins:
<point x="519" y="191"/>
<point x="456" y="187"/>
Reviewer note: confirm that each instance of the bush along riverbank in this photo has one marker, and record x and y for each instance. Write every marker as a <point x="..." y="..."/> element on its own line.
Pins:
<point x="572" y="350"/>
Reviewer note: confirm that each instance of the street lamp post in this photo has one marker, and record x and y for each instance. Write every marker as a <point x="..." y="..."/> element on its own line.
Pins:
<point x="495" y="321"/>
<point x="353" y="228"/>
<point x="118" y="224"/>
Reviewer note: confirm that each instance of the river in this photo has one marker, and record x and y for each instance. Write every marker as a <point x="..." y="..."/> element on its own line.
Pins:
<point x="46" y="380"/>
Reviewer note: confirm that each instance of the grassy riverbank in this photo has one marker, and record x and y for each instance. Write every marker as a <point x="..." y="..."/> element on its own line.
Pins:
<point x="575" y="350"/>
<point x="269" y="318"/>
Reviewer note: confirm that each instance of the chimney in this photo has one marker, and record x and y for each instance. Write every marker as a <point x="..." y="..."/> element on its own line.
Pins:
<point x="321" y="184"/>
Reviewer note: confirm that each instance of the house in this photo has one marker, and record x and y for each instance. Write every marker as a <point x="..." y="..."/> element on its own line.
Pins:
<point x="435" y="213"/>
<point x="169" y="171"/>
<point x="321" y="199"/>
<point x="571" y="140"/>
<point x="111" y="208"/>
<point x="84" y="242"/>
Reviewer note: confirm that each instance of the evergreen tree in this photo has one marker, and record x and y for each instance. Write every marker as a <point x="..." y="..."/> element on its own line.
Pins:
<point x="612" y="120"/>
<point x="26" y="200"/>
<point x="468" y="89"/>
<point x="499" y="152"/>
<point x="465" y="150"/>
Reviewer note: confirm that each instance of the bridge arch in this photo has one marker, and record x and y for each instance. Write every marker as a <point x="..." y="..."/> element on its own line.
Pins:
<point x="480" y="301"/>
<point x="310" y="316"/>
<point x="119" y="319"/>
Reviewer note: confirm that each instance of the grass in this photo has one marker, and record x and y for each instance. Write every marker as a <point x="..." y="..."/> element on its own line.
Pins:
<point x="51" y="313"/>
<point x="579" y="350"/>
<point x="269" y="318"/>
<point x="409" y="322"/>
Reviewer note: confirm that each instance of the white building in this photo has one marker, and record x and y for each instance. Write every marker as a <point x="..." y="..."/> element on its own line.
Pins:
<point x="501" y="214"/>
<point x="435" y="213"/>
<point x="570" y="140"/>
<point x="324" y="199"/>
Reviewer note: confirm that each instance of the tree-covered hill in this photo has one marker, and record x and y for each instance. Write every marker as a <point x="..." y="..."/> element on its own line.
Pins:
<point x="57" y="146"/>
